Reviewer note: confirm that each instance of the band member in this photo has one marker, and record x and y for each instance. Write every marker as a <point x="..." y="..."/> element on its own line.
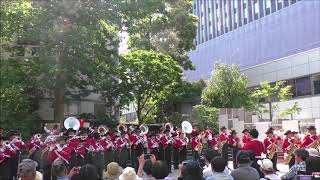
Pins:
<point x="18" y="145"/>
<point x="122" y="144"/>
<point x="185" y="142"/>
<point x="271" y="145"/>
<point x="60" y="150"/>
<point x="223" y="138"/>
<point x="196" y="145"/>
<point x="256" y="147"/>
<point x="288" y="143"/>
<point x="214" y="143"/>
<point x="35" y="146"/>
<point x="177" y="148"/>
<point x="161" y="150"/>
<point x="6" y="152"/>
<point x="310" y="139"/>
<point x="136" y="147"/>
<point x="208" y="134"/>
<point x="167" y="147"/>
<point x="246" y="136"/>
<point x="234" y="143"/>
<point x="108" y="147"/>
<point x="153" y="145"/>
<point x="73" y="143"/>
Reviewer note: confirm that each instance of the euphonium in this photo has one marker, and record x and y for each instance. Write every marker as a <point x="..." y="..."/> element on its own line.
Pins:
<point x="315" y="144"/>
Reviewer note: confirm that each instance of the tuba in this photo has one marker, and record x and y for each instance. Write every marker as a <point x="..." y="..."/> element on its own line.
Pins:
<point x="144" y="129"/>
<point x="102" y="130"/>
<point x="72" y="122"/>
<point x="168" y="126"/>
<point x="186" y="127"/>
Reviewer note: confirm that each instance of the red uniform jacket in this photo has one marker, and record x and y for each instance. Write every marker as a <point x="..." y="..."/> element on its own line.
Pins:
<point x="246" y="138"/>
<point x="286" y="143"/>
<point x="106" y="144"/>
<point x="178" y="143"/>
<point x="63" y="152"/>
<point x="214" y="142"/>
<point x="6" y="151"/>
<point x="308" y="139"/>
<point x="268" y="141"/>
<point x="152" y="144"/>
<point x="165" y="140"/>
<point x="194" y="142"/>
<point x="256" y="146"/>
<point x="136" y="140"/>
<point x="223" y="137"/>
<point x="208" y="133"/>
<point x="233" y="141"/>
<point x="121" y="143"/>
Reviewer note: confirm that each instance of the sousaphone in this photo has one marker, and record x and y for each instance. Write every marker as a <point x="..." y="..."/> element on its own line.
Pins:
<point x="72" y="122"/>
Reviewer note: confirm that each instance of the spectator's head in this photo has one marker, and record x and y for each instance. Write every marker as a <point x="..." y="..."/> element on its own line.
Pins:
<point x="301" y="155"/>
<point x="266" y="166"/>
<point x="147" y="167"/>
<point x="314" y="153"/>
<point x="59" y="168"/>
<point x="243" y="157"/>
<point x="159" y="170"/>
<point x="191" y="170"/>
<point x="27" y="169"/>
<point x="113" y="170"/>
<point x="219" y="164"/>
<point x="88" y="171"/>
<point x="209" y="154"/>
<point x="254" y="133"/>
<point x="128" y="174"/>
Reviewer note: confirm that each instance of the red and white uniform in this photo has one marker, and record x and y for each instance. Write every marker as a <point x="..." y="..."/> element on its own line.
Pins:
<point x="256" y="146"/>
<point x="214" y="142"/>
<point x="122" y="143"/>
<point x="308" y="139"/>
<point x="6" y="151"/>
<point x="153" y="144"/>
<point x="136" y="139"/>
<point x="165" y="140"/>
<point x="178" y="143"/>
<point x="195" y="141"/>
<point x="17" y="144"/>
<point x="286" y="143"/>
<point x="60" y="151"/>
<point x="35" y="143"/>
<point x="208" y="134"/>
<point x="223" y="137"/>
<point x="233" y="140"/>
<point x="246" y="138"/>
<point x="73" y="142"/>
<point x="106" y="144"/>
<point x="268" y="142"/>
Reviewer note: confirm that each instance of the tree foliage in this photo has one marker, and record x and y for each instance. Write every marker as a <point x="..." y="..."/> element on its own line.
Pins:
<point x="149" y="77"/>
<point x="267" y="93"/>
<point x="294" y="109"/>
<point x="160" y="25"/>
<point x="227" y="88"/>
<point x="206" y="117"/>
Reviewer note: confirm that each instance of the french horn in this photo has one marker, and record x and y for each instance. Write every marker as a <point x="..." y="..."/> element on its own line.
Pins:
<point x="122" y="127"/>
<point x="102" y="130"/>
<point x="168" y="126"/>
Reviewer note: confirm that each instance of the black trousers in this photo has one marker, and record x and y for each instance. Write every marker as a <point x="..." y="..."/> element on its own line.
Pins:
<point x="167" y="156"/>
<point x="122" y="157"/>
<point x="14" y="165"/>
<point x="109" y="156"/>
<point x="176" y="158"/>
<point x="5" y="169"/>
<point x="208" y="144"/>
<point x="234" y="156"/>
<point x="274" y="161"/>
<point x="161" y="152"/>
<point x="195" y="155"/>
<point x="225" y="149"/>
<point x="136" y="152"/>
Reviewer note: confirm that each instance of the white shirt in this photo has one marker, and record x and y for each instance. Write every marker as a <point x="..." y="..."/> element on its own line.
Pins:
<point x="207" y="171"/>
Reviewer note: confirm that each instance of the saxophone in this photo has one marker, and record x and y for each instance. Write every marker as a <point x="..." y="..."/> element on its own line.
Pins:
<point x="291" y="150"/>
<point x="272" y="151"/>
<point x="315" y="144"/>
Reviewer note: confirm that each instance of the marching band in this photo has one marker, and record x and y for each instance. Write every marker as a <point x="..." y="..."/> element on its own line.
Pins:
<point x="100" y="146"/>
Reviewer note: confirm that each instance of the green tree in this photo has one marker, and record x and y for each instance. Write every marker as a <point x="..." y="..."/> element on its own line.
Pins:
<point x="227" y="88"/>
<point x="164" y="26"/>
<point x="206" y="117"/>
<point x="148" y="77"/>
<point x="294" y="109"/>
<point x="268" y="92"/>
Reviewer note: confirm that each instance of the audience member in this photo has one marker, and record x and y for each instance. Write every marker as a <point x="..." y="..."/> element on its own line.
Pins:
<point x="218" y="165"/>
<point x="266" y="167"/>
<point x="27" y="170"/>
<point x="300" y="157"/>
<point x="129" y="174"/>
<point x="191" y="170"/>
<point x="313" y="161"/>
<point x="87" y="172"/>
<point x="208" y="155"/>
<point x="244" y="170"/>
<point x="59" y="169"/>
<point x="113" y="171"/>
<point x="160" y="170"/>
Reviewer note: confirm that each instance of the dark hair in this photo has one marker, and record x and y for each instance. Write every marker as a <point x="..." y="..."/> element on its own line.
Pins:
<point x="147" y="168"/>
<point x="254" y="133"/>
<point x="88" y="171"/>
<point x="209" y="154"/>
<point x="302" y="153"/>
<point x="244" y="157"/>
<point x="191" y="171"/>
<point x="159" y="170"/>
<point x="218" y="164"/>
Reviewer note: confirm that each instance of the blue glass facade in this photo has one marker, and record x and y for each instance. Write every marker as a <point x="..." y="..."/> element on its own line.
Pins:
<point x="290" y="30"/>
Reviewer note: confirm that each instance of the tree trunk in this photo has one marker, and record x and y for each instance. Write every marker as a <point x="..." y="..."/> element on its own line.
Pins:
<point x="270" y="111"/>
<point x="59" y="100"/>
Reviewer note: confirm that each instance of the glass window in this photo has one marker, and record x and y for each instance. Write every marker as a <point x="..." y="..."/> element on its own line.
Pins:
<point x="316" y="84"/>
<point x="256" y="9"/>
<point x="245" y="9"/>
<point x="280" y="2"/>
<point x="268" y="4"/>
<point x="303" y="86"/>
<point x="292" y="83"/>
